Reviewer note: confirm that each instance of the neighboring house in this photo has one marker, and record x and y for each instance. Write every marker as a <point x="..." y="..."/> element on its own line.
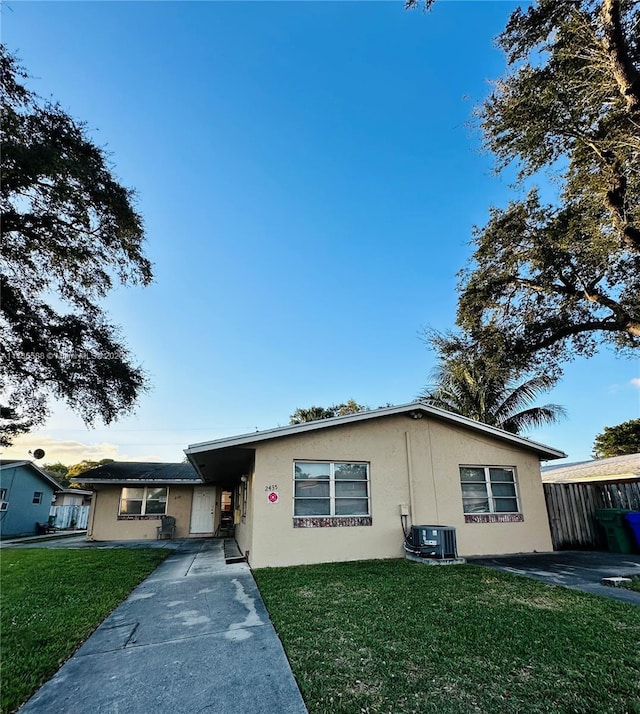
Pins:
<point x="614" y="468"/>
<point x="576" y="492"/>
<point x="337" y="489"/>
<point x="26" y="493"/>
<point x="72" y="497"/>
<point x="71" y="508"/>
<point x="130" y="498"/>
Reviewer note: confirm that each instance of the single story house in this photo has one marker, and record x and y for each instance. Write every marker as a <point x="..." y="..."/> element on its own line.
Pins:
<point x="26" y="493"/>
<point x="130" y="498"/>
<point x="342" y="488"/>
<point x="614" y="468"/>
<point x="72" y="497"/>
<point x="70" y="509"/>
<point x="576" y="492"/>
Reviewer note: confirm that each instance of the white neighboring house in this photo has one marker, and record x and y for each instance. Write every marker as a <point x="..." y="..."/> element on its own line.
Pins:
<point x="72" y="497"/>
<point x="70" y="508"/>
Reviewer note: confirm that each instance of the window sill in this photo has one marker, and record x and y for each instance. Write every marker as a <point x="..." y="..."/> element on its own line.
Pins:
<point x="140" y="518"/>
<point x="331" y="521"/>
<point x="494" y="518"/>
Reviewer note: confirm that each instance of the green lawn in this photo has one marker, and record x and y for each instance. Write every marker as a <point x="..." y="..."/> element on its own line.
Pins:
<point x="392" y="636"/>
<point x="51" y="601"/>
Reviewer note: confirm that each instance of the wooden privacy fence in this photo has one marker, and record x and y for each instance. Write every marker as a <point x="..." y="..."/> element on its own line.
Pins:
<point x="571" y="510"/>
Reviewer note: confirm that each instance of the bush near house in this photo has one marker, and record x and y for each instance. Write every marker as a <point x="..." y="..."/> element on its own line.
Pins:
<point x="384" y="636"/>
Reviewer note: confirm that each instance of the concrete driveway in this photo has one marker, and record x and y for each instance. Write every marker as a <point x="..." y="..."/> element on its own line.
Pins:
<point x="580" y="570"/>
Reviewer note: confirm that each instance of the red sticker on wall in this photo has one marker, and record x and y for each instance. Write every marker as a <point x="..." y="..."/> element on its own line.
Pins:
<point x="273" y="497"/>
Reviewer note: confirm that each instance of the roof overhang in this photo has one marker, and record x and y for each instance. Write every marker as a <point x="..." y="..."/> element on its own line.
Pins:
<point x="612" y="478"/>
<point x="209" y="455"/>
<point x="134" y="481"/>
<point x="75" y="491"/>
<point x="223" y="466"/>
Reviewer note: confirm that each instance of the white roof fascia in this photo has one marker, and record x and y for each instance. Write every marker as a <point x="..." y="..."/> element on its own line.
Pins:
<point x="117" y="481"/>
<point x="545" y="452"/>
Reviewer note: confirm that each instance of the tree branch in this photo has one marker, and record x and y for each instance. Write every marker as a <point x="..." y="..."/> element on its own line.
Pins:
<point x="578" y="328"/>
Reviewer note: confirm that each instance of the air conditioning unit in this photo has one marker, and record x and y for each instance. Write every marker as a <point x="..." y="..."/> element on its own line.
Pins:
<point x="4" y="505"/>
<point x="432" y="542"/>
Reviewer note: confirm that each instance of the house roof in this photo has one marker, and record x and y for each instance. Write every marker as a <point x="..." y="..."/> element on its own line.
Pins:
<point x="13" y="463"/>
<point x="417" y="410"/>
<point x="615" y="468"/>
<point x="140" y="472"/>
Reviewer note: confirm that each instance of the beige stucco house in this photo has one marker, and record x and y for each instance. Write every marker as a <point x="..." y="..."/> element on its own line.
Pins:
<point x="130" y="498"/>
<point x="339" y="489"/>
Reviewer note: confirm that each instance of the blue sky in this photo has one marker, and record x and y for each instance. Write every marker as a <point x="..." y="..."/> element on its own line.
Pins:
<point x="309" y="183"/>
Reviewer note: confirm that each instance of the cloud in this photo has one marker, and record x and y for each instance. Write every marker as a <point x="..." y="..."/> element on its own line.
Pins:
<point x="635" y="382"/>
<point x="66" y="451"/>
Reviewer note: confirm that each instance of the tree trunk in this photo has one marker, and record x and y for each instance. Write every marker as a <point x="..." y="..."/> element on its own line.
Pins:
<point x="626" y="75"/>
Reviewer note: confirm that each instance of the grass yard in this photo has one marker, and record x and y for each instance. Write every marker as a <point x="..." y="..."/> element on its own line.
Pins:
<point x="392" y="636"/>
<point x="51" y="601"/>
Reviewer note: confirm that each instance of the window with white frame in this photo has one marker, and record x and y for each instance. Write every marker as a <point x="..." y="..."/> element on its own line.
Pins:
<point x="37" y="497"/>
<point x="3" y="494"/>
<point x="489" y="489"/>
<point x="143" y="501"/>
<point x="324" y="488"/>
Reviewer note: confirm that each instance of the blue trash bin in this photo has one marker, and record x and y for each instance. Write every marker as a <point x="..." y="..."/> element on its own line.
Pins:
<point x="633" y="519"/>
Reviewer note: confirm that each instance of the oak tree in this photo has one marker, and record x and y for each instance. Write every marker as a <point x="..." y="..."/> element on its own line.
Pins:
<point x="70" y="231"/>
<point x="619" y="440"/>
<point x="555" y="277"/>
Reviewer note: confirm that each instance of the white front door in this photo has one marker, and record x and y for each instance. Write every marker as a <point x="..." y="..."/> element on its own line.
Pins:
<point x="203" y="508"/>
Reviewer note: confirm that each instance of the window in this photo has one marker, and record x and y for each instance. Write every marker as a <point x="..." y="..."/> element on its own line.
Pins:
<point x="331" y="489"/>
<point x="144" y="500"/>
<point x="489" y="489"/>
<point x="37" y="497"/>
<point x="3" y="494"/>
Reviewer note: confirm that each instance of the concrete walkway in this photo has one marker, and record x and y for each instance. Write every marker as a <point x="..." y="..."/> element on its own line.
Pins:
<point x="193" y="637"/>
<point x="577" y="569"/>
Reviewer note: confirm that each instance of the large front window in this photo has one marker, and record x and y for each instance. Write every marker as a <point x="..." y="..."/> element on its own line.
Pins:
<point x="144" y="500"/>
<point x="324" y="488"/>
<point x="489" y="489"/>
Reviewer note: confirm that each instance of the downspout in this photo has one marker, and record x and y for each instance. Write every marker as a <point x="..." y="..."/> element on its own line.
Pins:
<point x="94" y="500"/>
<point x="407" y="438"/>
<point x="433" y="475"/>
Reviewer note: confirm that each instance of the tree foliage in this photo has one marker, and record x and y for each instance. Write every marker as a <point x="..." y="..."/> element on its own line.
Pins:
<point x="619" y="440"/>
<point x="69" y="233"/>
<point x="63" y="474"/>
<point x="469" y="382"/>
<point x="314" y="413"/>
<point x="556" y="278"/>
<point x="86" y="465"/>
<point x="59" y="472"/>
